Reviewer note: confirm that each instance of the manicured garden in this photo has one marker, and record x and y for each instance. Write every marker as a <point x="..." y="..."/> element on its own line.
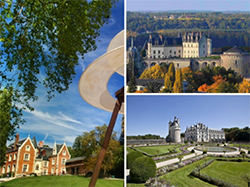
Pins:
<point x="59" y="181"/>
<point x="155" y="150"/>
<point x="231" y="172"/>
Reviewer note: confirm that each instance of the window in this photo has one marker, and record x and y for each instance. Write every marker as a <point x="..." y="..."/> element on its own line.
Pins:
<point x="26" y="156"/>
<point x="15" y="155"/>
<point x="25" y="168"/>
<point x="159" y="56"/>
<point x="53" y="171"/>
<point x="170" y="51"/>
<point x="8" y="169"/>
<point x="13" y="167"/>
<point x="63" y="161"/>
<point x="45" y="164"/>
<point x="236" y="63"/>
<point x="159" y="52"/>
<point x="175" y="52"/>
<point x="179" y="51"/>
<point x="191" y="45"/>
<point x="37" y="167"/>
<point x="45" y="172"/>
<point x="4" y="169"/>
<point x="153" y="51"/>
<point x="53" y="161"/>
<point x="10" y="158"/>
<point x="177" y="65"/>
<point x="203" y="46"/>
<point x="27" y="148"/>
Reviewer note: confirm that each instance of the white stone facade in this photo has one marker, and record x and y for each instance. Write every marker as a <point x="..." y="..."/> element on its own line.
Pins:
<point x="174" y="134"/>
<point x="201" y="133"/>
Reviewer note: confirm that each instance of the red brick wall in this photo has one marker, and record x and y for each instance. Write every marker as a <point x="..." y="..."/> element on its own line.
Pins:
<point x="21" y="161"/>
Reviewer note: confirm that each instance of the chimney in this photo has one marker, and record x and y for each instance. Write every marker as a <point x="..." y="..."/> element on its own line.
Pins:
<point x="16" y="141"/>
<point x="41" y="144"/>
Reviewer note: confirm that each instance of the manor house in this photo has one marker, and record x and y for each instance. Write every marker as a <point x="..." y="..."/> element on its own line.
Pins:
<point x="25" y="157"/>
<point x="201" y="133"/>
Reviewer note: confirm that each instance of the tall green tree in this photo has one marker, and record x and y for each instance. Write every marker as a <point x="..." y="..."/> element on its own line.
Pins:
<point x="10" y="117"/>
<point x="45" y="37"/>
<point x="132" y="84"/>
<point x="168" y="84"/>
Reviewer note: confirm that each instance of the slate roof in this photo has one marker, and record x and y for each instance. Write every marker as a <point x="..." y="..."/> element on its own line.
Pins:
<point x="235" y="49"/>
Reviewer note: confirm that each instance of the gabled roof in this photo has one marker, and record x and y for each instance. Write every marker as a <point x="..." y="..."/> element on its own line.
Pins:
<point x="58" y="147"/>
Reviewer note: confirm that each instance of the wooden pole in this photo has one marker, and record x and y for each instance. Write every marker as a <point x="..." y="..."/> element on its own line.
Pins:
<point x="120" y="99"/>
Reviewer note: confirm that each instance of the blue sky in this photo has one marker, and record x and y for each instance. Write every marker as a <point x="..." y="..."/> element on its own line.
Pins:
<point x="67" y="115"/>
<point x="165" y="5"/>
<point x="151" y="114"/>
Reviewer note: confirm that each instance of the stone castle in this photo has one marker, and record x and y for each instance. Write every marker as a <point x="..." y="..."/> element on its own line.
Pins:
<point x="201" y="133"/>
<point x="191" y="50"/>
<point x="174" y="134"/>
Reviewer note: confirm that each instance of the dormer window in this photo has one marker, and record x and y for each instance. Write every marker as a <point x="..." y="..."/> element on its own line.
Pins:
<point x="27" y="148"/>
<point x="64" y="153"/>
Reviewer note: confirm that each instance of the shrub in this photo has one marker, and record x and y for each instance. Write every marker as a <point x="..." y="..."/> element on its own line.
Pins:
<point x="223" y="142"/>
<point x="192" y="151"/>
<point x="248" y="151"/>
<point x="192" y="142"/>
<point x="204" y="152"/>
<point x="131" y="157"/>
<point x="185" y="141"/>
<point x="196" y="144"/>
<point x="142" y="169"/>
<point x="218" y="144"/>
<point x="242" y="152"/>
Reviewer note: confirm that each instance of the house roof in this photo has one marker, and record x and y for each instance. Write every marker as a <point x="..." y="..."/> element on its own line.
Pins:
<point x="235" y="49"/>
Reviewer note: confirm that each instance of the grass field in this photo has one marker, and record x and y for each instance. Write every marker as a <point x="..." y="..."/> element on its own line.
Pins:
<point x="59" y="181"/>
<point x="181" y="178"/>
<point x="153" y="150"/>
<point x="228" y="171"/>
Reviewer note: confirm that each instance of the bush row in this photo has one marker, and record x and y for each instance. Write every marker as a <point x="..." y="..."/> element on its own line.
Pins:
<point x="172" y="167"/>
<point x="156" y="181"/>
<point x="183" y="152"/>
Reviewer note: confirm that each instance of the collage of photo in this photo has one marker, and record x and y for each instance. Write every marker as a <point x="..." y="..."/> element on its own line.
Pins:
<point x="119" y="93"/>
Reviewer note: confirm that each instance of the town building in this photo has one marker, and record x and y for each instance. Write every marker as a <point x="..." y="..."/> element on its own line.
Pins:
<point x="201" y="133"/>
<point x="25" y="157"/>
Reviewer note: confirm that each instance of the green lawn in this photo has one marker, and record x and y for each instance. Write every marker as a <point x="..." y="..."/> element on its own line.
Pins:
<point x="153" y="150"/>
<point x="180" y="177"/>
<point x="228" y="171"/>
<point x="59" y="181"/>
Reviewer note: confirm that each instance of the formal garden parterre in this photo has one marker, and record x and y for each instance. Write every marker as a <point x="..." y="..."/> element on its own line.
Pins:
<point x="194" y="172"/>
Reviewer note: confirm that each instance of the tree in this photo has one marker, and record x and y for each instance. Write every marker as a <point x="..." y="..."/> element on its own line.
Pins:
<point x="89" y="145"/>
<point x="244" y="87"/>
<point x="132" y="85"/>
<point x="155" y="72"/>
<point x="178" y="86"/>
<point x="171" y="73"/>
<point x="48" y="37"/>
<point x="168" y="84"/>
<point x="153" y="86"/>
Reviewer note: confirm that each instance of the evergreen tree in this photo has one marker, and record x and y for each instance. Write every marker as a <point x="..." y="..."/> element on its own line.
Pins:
<point x="168" y="84"/>
<point x="132" y="85"/>
<point x="171" y="73"/>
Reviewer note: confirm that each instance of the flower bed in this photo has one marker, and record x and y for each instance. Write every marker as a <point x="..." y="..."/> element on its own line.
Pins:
<point x="183" y="152"/>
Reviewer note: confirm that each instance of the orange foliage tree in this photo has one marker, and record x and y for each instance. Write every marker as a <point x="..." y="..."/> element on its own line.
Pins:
<point x="244" y="87"/>
<point x="155" y="72"/>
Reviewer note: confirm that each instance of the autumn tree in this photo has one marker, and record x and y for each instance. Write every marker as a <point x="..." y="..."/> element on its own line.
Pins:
<point x="45" y="38"/>
<point x="155" y="72"/>
<point x="244" y="87"/>
<point x="168" y="84"/>
<point x="89" y="145"/>
<point x="171" y="72"/>
<point x="178" y="86"/>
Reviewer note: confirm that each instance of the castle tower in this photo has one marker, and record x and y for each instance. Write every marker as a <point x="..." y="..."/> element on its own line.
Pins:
<point x="175" y="131"/>
<point x="149" y="47"/>
<point x="209" y="45"/>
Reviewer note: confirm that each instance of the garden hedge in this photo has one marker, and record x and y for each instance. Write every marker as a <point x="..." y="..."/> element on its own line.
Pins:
<point x="142" y="169"/>
<point x="131" y="157"/>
